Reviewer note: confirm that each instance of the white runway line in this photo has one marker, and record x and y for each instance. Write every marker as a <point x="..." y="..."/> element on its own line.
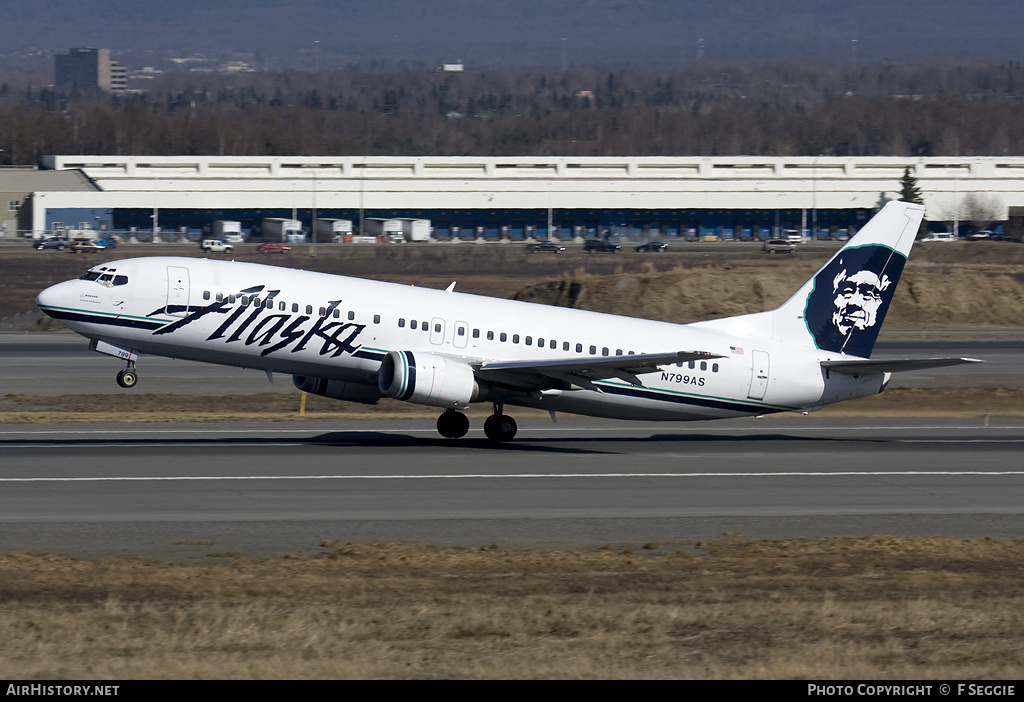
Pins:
<point x="508" y="476"/>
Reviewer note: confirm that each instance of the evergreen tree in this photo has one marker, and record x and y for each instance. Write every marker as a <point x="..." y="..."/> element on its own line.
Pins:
<point x="909" y="192"/>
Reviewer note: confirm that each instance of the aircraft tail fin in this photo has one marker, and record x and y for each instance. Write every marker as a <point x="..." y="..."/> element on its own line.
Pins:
<point x="842" y="307"/>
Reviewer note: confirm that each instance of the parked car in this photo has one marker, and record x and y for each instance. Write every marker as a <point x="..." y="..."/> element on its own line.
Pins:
<point x="216" y="246"/>
<point x="268" y="247"/>
<point x="600" y="245"/>
<point x="51" y="242"/>
<point x="773" y="246"/>
<point x="86" y="246"/>
<point x="652" y="247"/>
<point x="548" y="246"/>
<point x="940" y="236"/>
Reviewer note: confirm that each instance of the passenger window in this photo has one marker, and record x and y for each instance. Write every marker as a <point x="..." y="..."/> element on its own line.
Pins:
<point x="220" y="297"/>
<point x="579" y="348"/>
<point x="244" y="301"/>
<point x="282" y="306"/>
<point x="351" y="315"/>
<point x="692" y="364"/>
<point x="515" y="338"/>
<point x="476" y="333"/>
<point x="618" y="352"/>
<point x="593" y="350"/>
<point x="231" y="299"/>
<point x="504" y="336"/>
<point x="529" y="341"/>
<point x="376" y="319"/>
<point x="461" y="331"/>
<point x="437" y="327"/>
<point x="206" y="294"/>
<point x="714" y="367"/>
<point x="337" y="313"/>
<point x="414" y="324"/>
<point x="322" y="311"/>
<point x="703" y="365"/>
<point x="490" y="336"/>
<point x="309" y="309"/>
<point x="604" y="351"/>
<point x="295" y="307"/>
<point x="540" y="342"/>
<point x="565" y="345"/>
<point x="401" y="321"/>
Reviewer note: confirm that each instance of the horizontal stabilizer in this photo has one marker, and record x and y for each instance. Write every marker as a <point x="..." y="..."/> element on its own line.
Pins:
<point x="861" y="367"/>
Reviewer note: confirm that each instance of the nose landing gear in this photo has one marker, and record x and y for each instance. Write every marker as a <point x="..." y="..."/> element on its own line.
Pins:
<point x="128" y="377"/>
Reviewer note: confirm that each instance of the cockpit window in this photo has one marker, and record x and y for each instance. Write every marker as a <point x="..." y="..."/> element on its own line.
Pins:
<point x="105" y="277"/>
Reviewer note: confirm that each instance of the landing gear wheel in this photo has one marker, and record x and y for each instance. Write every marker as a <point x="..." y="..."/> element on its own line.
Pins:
<point x="500" y="427"/>
<point x="452" y="424"/>
<point x="127" y="378"/>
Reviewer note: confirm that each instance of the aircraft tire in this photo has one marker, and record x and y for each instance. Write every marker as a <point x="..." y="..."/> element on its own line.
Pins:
<point x="500" y="427"/>
<point x="127" y="379"/>
<point x="452" y="424"/>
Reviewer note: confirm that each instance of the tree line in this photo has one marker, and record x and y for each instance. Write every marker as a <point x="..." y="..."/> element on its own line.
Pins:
<point x="706" y="109"/>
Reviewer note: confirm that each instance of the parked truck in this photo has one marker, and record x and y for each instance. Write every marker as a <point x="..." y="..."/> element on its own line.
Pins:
<point x="416" y="229"/>
<point x="227" y="230"/>
<point x="388" y="231"/>
<point x="279" y="229"/>
<point x="328" y="230"/>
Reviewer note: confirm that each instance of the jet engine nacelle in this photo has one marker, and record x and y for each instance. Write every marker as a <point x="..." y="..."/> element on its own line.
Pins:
<point x="338" y="389"/>
<point x="428" y="379"/>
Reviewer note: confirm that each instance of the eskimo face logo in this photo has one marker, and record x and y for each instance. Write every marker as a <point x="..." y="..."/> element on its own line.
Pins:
<point x="857" y="300"/>
<point x="850" y="298"/>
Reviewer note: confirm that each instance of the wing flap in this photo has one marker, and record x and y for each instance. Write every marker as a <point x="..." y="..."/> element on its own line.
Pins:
<point x="581" y="372"/>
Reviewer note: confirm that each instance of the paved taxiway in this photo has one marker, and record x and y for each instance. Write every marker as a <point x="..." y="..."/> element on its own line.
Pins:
<point x="189" y="491"/>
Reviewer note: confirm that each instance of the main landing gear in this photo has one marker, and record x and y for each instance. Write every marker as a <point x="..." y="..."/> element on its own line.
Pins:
<point x="497" y="427"/>
<point x="452" y="424"/>
<point x="128" y="377"/>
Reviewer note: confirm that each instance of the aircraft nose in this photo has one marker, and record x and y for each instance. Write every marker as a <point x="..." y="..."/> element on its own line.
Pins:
<point x="56" y="297"/>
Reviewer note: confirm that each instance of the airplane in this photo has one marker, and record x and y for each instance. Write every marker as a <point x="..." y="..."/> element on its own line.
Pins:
<point x="360" y="340"/>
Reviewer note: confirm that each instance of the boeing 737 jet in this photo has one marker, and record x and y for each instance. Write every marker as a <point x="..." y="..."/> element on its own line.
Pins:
<point x="360" y="340"/>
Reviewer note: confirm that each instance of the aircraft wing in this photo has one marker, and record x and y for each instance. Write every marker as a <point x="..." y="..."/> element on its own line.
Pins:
<point x="581" y="372"/>
<point x="865" y="366"/>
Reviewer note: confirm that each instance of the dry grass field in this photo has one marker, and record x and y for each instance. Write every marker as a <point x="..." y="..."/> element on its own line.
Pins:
<point x="856" y="608"/>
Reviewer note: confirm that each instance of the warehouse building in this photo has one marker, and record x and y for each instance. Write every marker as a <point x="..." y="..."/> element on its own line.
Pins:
<point x="498" y="198"/>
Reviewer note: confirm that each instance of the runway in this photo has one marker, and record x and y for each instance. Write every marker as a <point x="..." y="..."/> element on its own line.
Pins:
<point x="185" y="492"/>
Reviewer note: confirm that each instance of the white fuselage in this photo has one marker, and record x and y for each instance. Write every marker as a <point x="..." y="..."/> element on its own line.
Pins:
<point x="325" y="326"/>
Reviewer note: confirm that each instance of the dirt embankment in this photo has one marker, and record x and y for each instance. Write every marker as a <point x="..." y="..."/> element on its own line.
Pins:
<point x="929" y="295"/>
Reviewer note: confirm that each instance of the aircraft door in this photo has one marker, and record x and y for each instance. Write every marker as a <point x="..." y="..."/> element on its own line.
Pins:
<point x="437" y="331"/>
<point x="758" y="375"/>
<point x="177" y="291"/>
